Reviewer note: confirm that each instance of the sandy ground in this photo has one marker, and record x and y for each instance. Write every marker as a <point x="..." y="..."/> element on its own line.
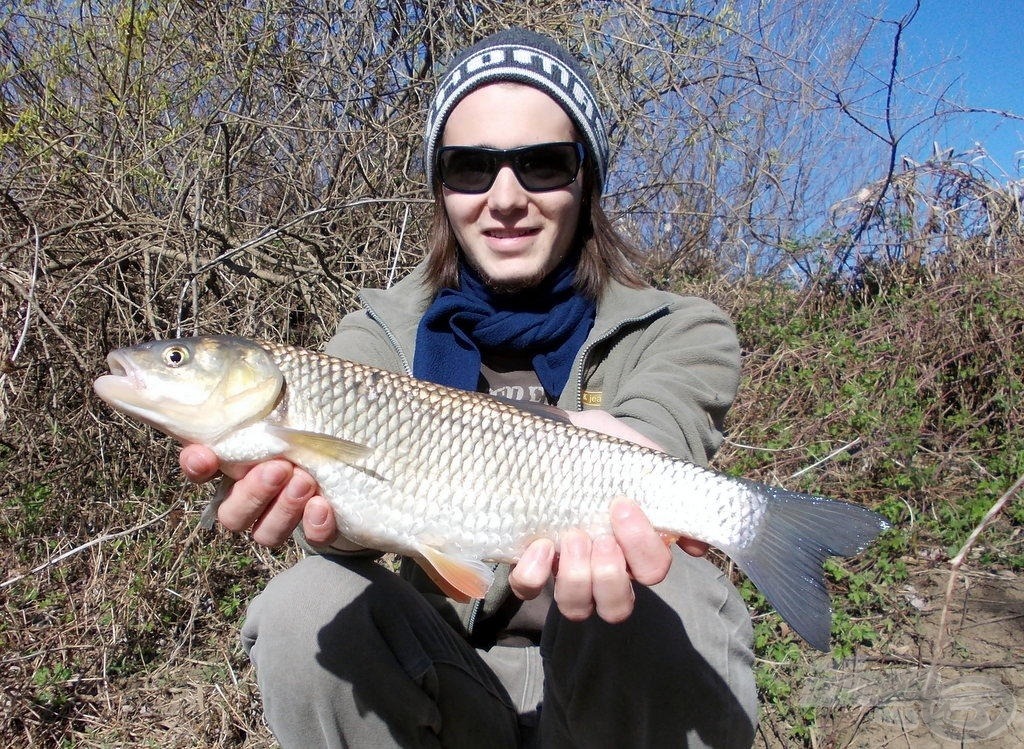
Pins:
<point x="914" y="696"/>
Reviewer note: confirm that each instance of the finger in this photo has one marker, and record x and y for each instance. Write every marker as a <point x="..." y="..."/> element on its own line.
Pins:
<point x="199" y="463"/>
<point x="573" y="593"/>
<point x="285" y="510"/>
<point x="533" y="569"/>
<point x="318" y="523"/>
<point x="647" y="557"/>
<point x="613" y="590"/>
<point x="692" y="546"/>
<point x="252" y="494"/>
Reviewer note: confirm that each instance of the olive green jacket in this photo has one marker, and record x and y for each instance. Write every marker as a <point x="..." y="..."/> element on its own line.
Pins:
<point x="667" y="365"/>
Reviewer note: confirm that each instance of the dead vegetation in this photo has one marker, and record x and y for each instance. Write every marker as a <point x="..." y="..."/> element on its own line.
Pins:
<point x="170" y="169"/>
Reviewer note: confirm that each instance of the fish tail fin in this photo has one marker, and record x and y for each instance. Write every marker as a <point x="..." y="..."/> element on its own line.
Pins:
<point x="797" y="533"/>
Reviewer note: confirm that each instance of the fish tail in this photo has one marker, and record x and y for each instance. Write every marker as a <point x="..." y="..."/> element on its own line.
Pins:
<point x="784" y="560"/>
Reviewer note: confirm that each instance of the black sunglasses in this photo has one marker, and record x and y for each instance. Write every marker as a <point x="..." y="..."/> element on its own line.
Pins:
<point x="545" y="166"/>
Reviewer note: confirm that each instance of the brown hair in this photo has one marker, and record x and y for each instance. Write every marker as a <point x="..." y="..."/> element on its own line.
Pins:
<point x="605" y="254"/>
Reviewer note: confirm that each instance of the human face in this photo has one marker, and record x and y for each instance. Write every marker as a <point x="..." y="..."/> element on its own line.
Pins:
<point x="512" y="237"/>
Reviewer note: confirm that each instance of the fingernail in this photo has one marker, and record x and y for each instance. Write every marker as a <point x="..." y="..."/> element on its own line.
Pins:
<point x="190" y="466"/>
<point x="622" y="508"/>
<point x="605" y="544"/>
<point x="300" y="488"/>
<point x="273" y="475"/>
<point x="575" y="543"/>
<point x="541" y="558"/>
<point x="318" y="515"/>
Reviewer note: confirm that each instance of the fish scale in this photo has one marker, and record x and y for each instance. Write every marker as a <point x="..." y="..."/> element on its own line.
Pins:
<point x="456" y="479"/>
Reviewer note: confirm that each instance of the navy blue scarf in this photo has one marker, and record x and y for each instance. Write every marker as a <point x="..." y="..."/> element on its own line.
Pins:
<point x="548" y="323"/>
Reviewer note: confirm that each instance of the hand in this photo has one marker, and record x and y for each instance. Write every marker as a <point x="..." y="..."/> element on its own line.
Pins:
<point x="602" y="421"/>
<point x="270" y="498"/>
<point x="596" y="574"/>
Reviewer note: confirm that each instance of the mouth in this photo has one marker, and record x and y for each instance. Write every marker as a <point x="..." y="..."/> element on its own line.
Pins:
<point x="510" y="233"/>
<point x="121" y="365"/>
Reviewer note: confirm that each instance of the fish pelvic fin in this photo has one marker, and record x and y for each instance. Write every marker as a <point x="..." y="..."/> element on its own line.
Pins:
<point x="460" y="579"/>
<point x="209" y="517"/>
<point x="797" y="533"/>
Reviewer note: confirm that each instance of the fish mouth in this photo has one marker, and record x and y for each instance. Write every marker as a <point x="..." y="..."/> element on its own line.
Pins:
<point x="123" y="380"/>
<point x="121" y="365"/>
<point x="117" y="364"/>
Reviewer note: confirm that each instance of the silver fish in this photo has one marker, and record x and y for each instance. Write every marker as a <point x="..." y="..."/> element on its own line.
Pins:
<point x="455" y="479"/>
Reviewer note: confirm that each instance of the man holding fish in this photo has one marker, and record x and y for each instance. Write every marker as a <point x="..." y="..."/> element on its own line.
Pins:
<point x="527" y="290"/>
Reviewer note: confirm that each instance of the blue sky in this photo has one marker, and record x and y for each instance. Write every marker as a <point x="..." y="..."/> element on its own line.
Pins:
<point x="981" y="47"/>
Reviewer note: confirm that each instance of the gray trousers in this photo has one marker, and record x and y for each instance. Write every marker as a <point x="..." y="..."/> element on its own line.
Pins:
<point x="347" y="654"/>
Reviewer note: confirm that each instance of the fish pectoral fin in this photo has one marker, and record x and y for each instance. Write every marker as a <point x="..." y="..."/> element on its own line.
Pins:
<point x="323" y="445"/>
<point x="458" y="578"/>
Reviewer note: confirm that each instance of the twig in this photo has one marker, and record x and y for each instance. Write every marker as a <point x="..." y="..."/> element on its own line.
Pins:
<point x="965" y="665"/>
<point x="61" y="557"/>
<point x="30" y="298"/>
<point x="398" y="250"/>
<point x="827" y="458"/>
<point x="69" y="228"/>
<point x="955" y="564"/>
<point x="272" y="232"/>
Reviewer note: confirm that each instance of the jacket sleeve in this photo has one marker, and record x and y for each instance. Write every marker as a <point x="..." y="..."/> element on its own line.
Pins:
<point x="675" y="379"/>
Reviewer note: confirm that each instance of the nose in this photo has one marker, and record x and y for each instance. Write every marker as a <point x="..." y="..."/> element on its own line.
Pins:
<point x="506" y="194"/>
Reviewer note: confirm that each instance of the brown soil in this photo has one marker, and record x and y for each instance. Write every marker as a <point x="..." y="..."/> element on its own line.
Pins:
<point x="909" y="694"/>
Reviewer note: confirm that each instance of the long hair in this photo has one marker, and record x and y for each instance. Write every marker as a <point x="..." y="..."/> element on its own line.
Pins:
<point x="605" y="254"/>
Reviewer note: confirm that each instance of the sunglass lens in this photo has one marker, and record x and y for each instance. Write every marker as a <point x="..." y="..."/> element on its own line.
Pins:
<point x="547" y="167"/>
<point x="467" y="170"/>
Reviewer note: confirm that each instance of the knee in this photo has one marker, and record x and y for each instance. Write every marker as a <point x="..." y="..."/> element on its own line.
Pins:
<point x="711" y="609"/>
<point x="283" y="622"/>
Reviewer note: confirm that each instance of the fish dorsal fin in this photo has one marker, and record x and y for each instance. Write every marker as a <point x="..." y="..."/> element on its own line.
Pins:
<point x="322" y="445"/>
<point x="543" y="410"/>
<point x="460" y="579"/>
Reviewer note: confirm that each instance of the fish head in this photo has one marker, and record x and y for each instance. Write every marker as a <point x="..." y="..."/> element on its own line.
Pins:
<point x="197" y="390"/>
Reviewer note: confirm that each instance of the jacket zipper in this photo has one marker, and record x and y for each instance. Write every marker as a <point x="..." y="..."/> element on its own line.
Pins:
<point x="585" y="352"/>
<point x="391" y="338"/>
<point x="478" y="605"/>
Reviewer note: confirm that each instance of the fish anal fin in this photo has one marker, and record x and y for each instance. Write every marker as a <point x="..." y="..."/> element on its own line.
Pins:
<point x="460" y="579"/>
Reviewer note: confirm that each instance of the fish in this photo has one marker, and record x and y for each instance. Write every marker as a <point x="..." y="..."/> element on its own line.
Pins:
<point x="458" y="480"/>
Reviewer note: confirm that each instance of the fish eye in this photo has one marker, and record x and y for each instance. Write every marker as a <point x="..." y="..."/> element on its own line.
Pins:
<point x="175" y="356"/>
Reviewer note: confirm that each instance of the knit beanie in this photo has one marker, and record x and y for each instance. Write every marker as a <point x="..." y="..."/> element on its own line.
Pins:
<point x="520" y="56"/>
